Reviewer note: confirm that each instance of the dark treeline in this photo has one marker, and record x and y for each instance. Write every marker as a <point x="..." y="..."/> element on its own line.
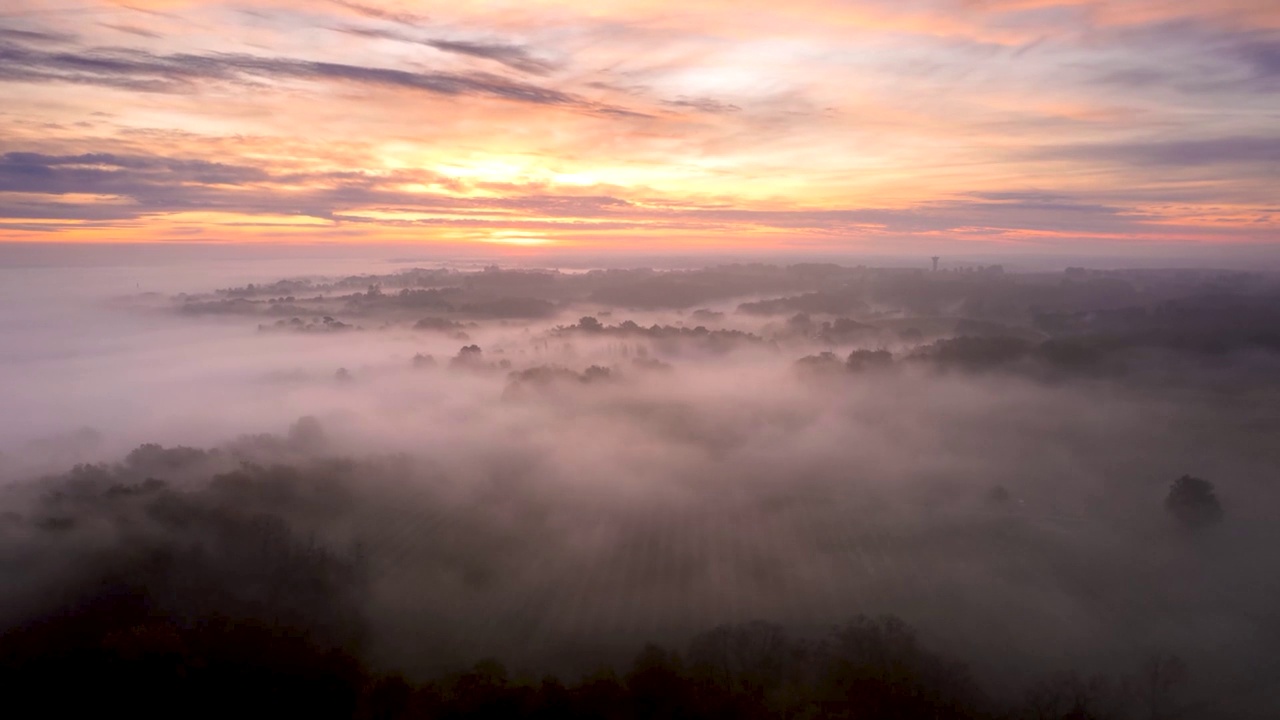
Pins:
<point x="1053" y="301"/>
<point x="665" y="337"/>
<point x="1077" y="322"/>
<point x="121" y="644"/>
<point x="209" y="597"/>
<point x="114" y="653"/>
<point x="1090" y="356"/>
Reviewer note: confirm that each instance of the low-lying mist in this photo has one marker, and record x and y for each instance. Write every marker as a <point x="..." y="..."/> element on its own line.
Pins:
<point x="433" y="467"/>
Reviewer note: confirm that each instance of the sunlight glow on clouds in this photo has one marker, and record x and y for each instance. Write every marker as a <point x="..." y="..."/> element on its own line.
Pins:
<point x="868" y="125"/>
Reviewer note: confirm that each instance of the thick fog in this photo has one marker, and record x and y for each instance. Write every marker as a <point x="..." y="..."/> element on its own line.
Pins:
<point x="554" y="468"/>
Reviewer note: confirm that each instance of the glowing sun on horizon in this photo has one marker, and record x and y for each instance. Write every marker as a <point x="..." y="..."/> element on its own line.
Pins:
<point x="517" y="237"/>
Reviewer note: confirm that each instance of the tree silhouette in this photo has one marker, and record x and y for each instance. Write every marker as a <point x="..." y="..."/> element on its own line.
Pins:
<point x="1192" y="502"/>
<point x="868" y="359"/>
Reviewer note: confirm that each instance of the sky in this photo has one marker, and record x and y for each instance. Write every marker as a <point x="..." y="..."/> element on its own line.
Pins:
<point x="877" y="125"/>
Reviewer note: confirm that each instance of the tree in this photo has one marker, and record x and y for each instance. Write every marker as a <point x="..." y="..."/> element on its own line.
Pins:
<point x="752" y="657"/>
<point x="595" y="373"/>
<point x="998" y="495"/>
<point x="800" y="322"/>
<point x="307" y="434"/>
<point x="1192" y="502"/>
<point x="821" y="364"/>
<point x="980" y="352"/>
<point x="470" y="356"/>
<point x="868" y="359"/>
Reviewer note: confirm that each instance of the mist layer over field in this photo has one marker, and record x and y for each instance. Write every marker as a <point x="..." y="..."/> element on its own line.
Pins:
<point x="554" y="468"/>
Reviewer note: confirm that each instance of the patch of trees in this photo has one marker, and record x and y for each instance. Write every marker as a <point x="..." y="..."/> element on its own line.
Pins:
<point x="234" y="306"/>
<point x="471" y="357"/>
<point x="1202" y="324"/>
<point x="279" y="287"/>
<point x="719" y="341"/>
<point x="516" y="308"/>
<point x="828" y="363"/>
<point x="326" y="324"/>
<point x="452" y="300"/>
<point x="1049" y="358"/>
<point x="148" y="599"/>
<point x="450" y="328"/>
<point x="436" y="298"/>
<point x="649" y="364"/>
<point x="823" y="363"/>
<point x="1193" y="503"/>
<point x="543" y="374"/>
<point x="860" y="360"/>
<point x="833" y="303"/>
<point x="437" y="324"/>
<point x="983" y="353"/>
<point x="1201" y="312"/>
<point x="123" y="656"/>
<point x="989" y="294"/>
<point x="689" y="288"/>
<point x="844" y="330"/>
<point x="544" y="377"/>
<point x="414" y="278"/>
<point x="535" y="283"/>
<point x="374" y="300"/>
<point x="974" y="353"/>
<point x="149" y="595"/>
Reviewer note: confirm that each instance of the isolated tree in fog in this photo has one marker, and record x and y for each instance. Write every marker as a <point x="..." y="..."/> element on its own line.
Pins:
<point x="589" y="324"/>
<point x="307" y="434"/>
<point x="595" y="373"/>
<point x="1192" y="502"/>
<point x="470" y="356"/>
<point x="998" y="495"/>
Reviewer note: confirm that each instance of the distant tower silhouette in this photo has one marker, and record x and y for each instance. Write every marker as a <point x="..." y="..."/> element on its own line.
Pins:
<point x="935" y="259"/>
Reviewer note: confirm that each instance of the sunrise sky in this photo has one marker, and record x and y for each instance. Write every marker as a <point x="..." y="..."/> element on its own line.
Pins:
<point x="801" y="124"/>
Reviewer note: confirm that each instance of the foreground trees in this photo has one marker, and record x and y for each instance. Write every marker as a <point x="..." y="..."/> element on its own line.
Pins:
<point x="211" y="599"/>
